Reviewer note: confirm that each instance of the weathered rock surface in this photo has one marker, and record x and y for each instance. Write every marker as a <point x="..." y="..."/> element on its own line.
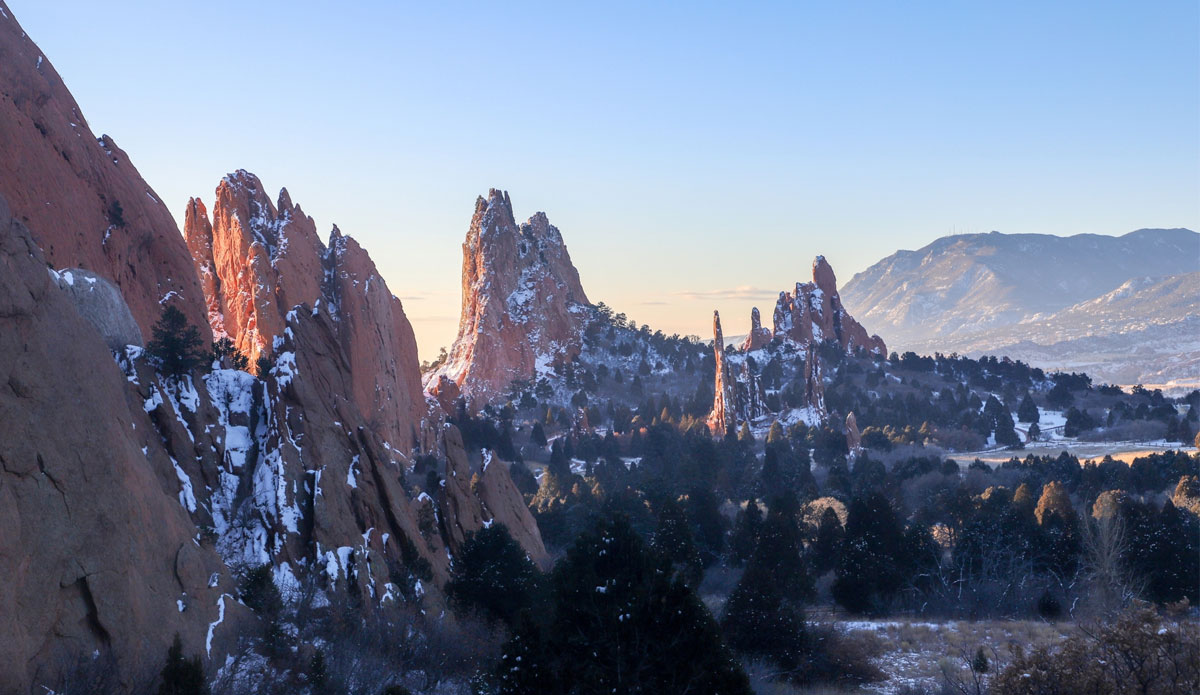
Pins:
<point x="96" y="553"/>
<point x="853" y="435"/>
<point x="469" y="501"/>
<point x="257" y="260"/>
<point x="723" y="415"/>
<point x="523" y="307"/>
<point x="803" y="320"/>
<point x="815" y="313"/>
<point x="81" y="198"/>
<point x="758" y="336"/>
<point x="100" y="302"/>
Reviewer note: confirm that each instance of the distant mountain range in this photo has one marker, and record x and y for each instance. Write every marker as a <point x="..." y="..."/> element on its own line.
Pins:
<point x="1125" y="309"/>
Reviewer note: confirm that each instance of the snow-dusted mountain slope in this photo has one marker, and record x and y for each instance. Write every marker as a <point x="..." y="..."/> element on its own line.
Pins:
<point x="1123" y="308"/>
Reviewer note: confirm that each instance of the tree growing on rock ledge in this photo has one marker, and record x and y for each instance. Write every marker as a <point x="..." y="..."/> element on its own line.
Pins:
<point x="175" y="343"/>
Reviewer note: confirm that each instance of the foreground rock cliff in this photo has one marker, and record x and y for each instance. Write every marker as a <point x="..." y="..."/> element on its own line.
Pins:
<point x="97" y="554"/>
<point x="135" y="503"/>
<point x="79" y="195"/>
<point x="523" y="307"/>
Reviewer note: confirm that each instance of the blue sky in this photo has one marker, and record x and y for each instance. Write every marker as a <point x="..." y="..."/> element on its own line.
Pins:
<point x="694" y="158"/>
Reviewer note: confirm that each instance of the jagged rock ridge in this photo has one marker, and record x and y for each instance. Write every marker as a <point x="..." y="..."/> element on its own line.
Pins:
<point x="257" y="260"/>
<point x="803" y="320"/>
<point x="523" y="307"/>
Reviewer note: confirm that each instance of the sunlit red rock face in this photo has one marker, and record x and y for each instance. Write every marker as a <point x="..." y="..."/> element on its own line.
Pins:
<point x="523" y="307"/>
<point x="80" y="196"/>
<point x="803" y="320"/>
<point x="258" y="260"/>
<point x="815" y="313"/>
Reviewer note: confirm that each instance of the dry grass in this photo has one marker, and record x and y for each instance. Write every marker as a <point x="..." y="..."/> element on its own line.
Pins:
<point x="918" y="654"/>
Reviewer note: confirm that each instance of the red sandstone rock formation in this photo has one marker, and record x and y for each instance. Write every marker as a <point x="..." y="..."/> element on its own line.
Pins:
<point x="84" y="202"/>
<point x="723" y="414"/>
<point x="759" y="336"/>
<point x="853" y="436"/>
<point x="96" y="554"/>
<point x="815" y="313"/>
<point x="812" y="315"/>
<point x="523" y="308"/>
<point x="257" y="261"/>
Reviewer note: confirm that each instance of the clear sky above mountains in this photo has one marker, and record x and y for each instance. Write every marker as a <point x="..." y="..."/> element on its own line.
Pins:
<point x="693" y="159"/>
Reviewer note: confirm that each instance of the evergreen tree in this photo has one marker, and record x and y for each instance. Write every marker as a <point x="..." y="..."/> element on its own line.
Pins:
<point x="869" y="571"/>
<point x="1027" y="411"/>
<point x="760" y="623"/>
<point x="493" y="575"/>
<point x="674" y="540"/>
<point x="618" y="621"/>
<point x="175" y="343"/>
<point x="828" y="541"/>
<point x="780" y="551"/>
<point x="182" y="676"/>
<point x="745" y="532"/>
<point x="538" y="434"/>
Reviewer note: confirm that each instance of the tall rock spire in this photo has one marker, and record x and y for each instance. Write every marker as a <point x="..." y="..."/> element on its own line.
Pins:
<point x="523" y="307"/>
<point x="759" y="336"/>
<point x="724" y="404"/>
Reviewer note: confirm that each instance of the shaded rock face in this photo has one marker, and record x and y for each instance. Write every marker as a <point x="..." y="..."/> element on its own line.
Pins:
<point x="814" y="312"/>
<point x="101" y="303"/>
<point x="257" y="260"/>
<point x="84" y="202"/>
<point x="468" y="502"/>
<point x="96" y="553"/>
<point x="523" y="308"/>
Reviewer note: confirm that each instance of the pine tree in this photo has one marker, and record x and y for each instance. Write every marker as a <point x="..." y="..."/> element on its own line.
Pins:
<point x="493" y="576"/>
<point x="869" y="568"/>
<point x="538" y="434"/>
<point x="828" y="541"/>
<point x="175" y="343"/>
<point x="674" y="540"/>
<point x="1027" y="411"/>
<point x="618" y="621"/>
<point x="745" y="532"/>
<point x="182" y="676"/>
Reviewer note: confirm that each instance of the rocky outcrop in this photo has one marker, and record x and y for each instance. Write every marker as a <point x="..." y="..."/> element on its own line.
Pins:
<point x="803" y="320"/>
<point x="723" y="415"/>
<point x="84" y="202"/>
<point x="469" y="502"/>
<point x="97" y="555"/>
<point x="853" y="436"/>
<point x="523" y="307"/>
<point x="814" y="312"/>
<point x="759" y="336"/>
<point x="258" y="260"/>
<point x="101" y="304"/>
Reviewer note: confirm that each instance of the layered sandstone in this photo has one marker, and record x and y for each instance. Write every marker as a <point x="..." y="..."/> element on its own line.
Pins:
<point x="523" y="307"/>
<point x="257" y="260"/>
<point x="814" y="312"/>
<point x="810" y="316"/>
<point x="96" y="554"/>
<point x="79" y="195"/>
